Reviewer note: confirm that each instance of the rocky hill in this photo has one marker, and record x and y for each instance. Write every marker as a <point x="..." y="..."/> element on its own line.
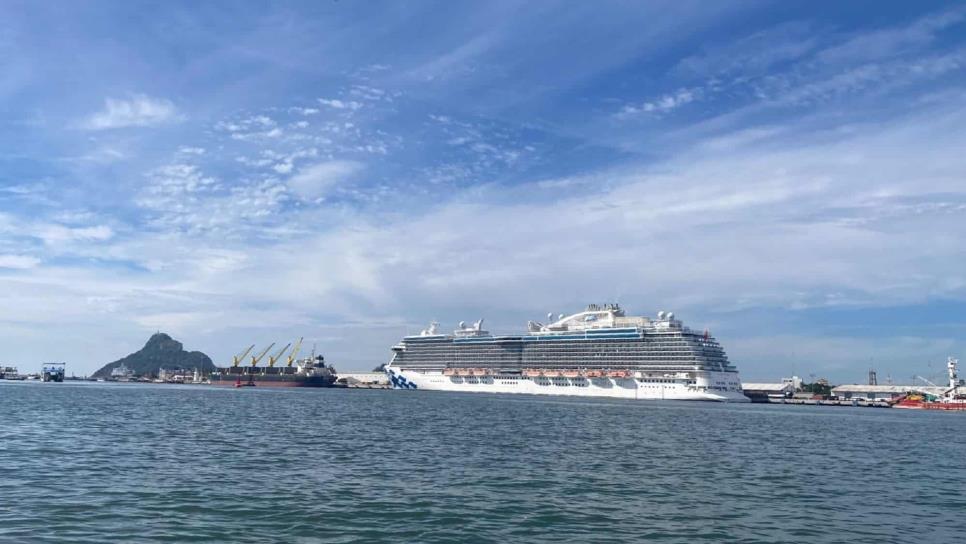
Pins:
<point x="161" y="351"/>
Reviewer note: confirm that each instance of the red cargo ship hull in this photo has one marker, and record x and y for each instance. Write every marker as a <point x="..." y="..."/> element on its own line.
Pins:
<point x="924" y="405"/>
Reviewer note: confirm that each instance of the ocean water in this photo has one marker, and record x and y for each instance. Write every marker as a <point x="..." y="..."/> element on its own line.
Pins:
<point x="144" y="463"/>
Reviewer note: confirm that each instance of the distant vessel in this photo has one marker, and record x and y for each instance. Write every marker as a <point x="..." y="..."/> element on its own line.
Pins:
<point x="121" y="373"/>
<point x="599" y="352"/>
<point x="10" y="373"/>
<point x="953" y="398"/>
<point x="308" y="372"/>
<point x="53" y="372"/>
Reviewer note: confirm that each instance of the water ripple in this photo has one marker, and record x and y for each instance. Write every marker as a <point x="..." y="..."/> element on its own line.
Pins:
<point x="135" y="463"/>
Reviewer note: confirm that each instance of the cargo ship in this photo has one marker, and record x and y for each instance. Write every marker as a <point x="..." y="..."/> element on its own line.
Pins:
<point x="307" y="372"/>
<point x="599" y="352"/>
<point x="953" y="398"/>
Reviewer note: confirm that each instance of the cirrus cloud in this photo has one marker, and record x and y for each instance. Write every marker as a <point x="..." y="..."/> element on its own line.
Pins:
<point x="138" y="111"/>
<point x="314" y="181"/>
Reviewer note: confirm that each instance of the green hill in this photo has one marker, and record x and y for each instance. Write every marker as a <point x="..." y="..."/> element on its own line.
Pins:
<point x="161" y="351"/>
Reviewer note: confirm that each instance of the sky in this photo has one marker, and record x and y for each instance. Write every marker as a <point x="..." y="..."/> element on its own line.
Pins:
<point x="789" y="175"/>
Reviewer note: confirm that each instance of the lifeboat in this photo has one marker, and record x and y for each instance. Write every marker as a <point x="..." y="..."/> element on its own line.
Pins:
<point x="593" y="373"/>
<point x="449" y="372"/>
<point x="532" y="372"/>
<point x="570" y="373"/>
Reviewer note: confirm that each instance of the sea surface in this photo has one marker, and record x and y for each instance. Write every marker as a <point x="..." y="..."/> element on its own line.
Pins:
<point x="87" y="462"/>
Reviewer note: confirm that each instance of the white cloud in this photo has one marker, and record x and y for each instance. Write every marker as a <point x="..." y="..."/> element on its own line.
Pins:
<point x="21" y="262"/>
<point x="663" y="104"/>
<point x="312" y="182"/>
<point x="138" y="111"/>
<point x="182" y="198"/>
<point x="340" y="104"/>
<point x="889" y="42"/>
<point x="56" y="234"/>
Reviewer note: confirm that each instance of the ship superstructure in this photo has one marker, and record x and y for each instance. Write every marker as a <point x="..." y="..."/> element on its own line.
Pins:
<point x="597" y="352"/>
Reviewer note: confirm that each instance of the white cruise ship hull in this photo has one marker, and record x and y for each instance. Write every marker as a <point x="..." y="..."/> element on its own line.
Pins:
<point x="623" y="388"/>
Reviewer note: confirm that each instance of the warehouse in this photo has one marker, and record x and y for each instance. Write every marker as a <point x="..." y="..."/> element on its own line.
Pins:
<point x="882" y="392"/>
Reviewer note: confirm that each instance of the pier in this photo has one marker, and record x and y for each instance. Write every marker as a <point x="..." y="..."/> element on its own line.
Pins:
<point x="822" y="402"/>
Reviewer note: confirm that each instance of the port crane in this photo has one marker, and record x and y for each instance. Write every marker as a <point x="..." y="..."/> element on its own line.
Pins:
<point x="295" y="352"/>
<point x="260" y="355"/>
<point x="241" y="356"/>
<point x="273" y="358"/>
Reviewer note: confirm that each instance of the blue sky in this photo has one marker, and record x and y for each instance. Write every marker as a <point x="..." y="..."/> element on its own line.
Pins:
<point x="787" y="174"/>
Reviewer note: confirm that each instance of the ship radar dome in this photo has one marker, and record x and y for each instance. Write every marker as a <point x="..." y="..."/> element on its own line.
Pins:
<point x="670" y="316"/>
<point x="660" y="315"/>
<point x="462" y="324"/>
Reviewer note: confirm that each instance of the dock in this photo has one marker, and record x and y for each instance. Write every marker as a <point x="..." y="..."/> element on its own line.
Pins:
<point x="856" y="402"/>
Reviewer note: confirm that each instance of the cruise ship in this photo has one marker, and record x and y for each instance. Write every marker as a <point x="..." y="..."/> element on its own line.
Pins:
<point x="599" y="352"/>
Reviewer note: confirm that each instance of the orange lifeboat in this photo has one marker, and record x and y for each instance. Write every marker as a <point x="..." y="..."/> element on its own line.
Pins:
<point x="570" y="373"/>
<point x="449" y="372"/>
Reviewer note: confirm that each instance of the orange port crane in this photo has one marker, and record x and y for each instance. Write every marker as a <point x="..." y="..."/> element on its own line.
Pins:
<point x="295" y="352"/>
<point x="273" y="358"/>
<point x="238" y="358"/>
<point x="260" y="355"/>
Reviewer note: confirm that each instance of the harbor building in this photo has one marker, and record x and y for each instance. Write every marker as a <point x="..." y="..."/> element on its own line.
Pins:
<point x="763" y="391"/>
